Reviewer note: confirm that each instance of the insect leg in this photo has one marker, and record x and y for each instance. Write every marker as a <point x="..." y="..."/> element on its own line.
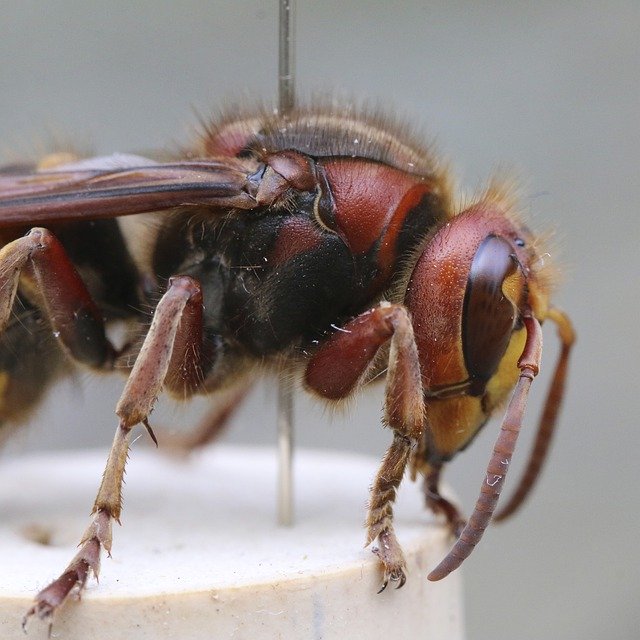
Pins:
<point x="40" y="264"/>
<point x="171" y="352"/>
<point x="174" y="324"/>
<point x="334" y="372"/>
<point x="498" y="466"/>
<point x="439" y="504"/>
<point x="30" y="361"/>
<point x="547" y="420"/>
<point x="211" y="425"/>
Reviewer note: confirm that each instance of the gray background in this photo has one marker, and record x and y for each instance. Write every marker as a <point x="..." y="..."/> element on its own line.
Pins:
<point x="550" y="90"/>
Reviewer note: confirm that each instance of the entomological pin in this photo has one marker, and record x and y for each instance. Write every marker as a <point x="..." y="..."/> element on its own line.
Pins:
<point x="327" y="242"/>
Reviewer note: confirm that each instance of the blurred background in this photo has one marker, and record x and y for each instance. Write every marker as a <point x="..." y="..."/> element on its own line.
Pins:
<point x="547" y="90"/>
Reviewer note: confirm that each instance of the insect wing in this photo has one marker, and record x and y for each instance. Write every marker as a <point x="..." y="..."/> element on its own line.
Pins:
<point x="123" y="185"/>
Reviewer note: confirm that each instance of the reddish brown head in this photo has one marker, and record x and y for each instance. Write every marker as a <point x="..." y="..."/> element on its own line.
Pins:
<point x="466" y="295"/>
<point x="473" y="283"/>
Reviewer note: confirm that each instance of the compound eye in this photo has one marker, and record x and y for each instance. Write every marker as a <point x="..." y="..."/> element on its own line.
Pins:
<point x="489" y="317"/>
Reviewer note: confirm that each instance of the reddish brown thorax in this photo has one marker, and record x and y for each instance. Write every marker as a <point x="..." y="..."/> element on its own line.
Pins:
<point x="372" y="202"/>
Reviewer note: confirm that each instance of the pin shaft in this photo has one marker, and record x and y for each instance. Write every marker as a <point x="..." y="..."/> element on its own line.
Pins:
<point x="285" y="454"/>
<point x="286" y="100"/>
<point x="286" y="76"/>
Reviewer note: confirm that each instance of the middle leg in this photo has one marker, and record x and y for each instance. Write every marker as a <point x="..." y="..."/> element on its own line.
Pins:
<point x="172" y="343"/>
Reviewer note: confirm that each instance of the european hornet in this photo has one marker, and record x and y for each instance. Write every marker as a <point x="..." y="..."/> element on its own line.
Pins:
<point x="326" y="243"/>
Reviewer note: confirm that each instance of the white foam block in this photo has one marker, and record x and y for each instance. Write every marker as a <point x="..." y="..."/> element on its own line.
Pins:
<point x="200" y="556"/>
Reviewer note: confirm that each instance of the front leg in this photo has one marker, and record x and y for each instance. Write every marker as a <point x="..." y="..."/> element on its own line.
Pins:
<point x="438" y="503"/>
<point x="336" y="370"/>
<point x="165" y="354"/>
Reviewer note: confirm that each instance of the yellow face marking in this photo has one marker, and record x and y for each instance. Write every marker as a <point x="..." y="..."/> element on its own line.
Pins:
<point x="454" y="421"/>
<point x="504" y="379"/>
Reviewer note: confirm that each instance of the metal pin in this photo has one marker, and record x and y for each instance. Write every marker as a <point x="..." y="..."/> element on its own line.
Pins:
<point x="286" y="99"/>
<point x="286" y="72"/>
<point x="285" y="453"/>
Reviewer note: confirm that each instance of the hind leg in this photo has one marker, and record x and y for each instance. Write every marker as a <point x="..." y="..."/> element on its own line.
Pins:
<point x="30" y="362"/>
<point x="211" y="426"/>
